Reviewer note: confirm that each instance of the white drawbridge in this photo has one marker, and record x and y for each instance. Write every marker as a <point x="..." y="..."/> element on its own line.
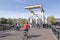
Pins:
<point x="39" y="16"/>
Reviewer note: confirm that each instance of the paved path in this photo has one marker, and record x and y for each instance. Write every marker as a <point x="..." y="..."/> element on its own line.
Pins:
<point x="34" y="34"/>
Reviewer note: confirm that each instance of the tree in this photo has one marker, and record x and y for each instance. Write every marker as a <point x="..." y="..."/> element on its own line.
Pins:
<point x="9" y="21"/>
<point x="22" y="21"/>
<point x="19" y="19"/>
<point x="29" y="19"/>
<point x="3" y="20"/>
<point x="51" y="19"/>
<point x="14" y="21"/>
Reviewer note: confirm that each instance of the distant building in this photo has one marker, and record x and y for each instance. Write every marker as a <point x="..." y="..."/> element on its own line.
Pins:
<point x="57" y="19"/>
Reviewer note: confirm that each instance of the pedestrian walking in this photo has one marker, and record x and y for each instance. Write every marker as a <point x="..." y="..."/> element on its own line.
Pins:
<point x="18" y="27"/>
<point x="15" y="26"/>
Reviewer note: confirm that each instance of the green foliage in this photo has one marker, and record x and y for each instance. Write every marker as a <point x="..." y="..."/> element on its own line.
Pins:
<point x="51" y="19"/>
<point x="14" y="21"/>
<point x="6" y="21"/>
<point x="23" y="21"/>
<point x="9" y="21"/>
<point x="29" y="19"/>
<point x="3" y="20"/>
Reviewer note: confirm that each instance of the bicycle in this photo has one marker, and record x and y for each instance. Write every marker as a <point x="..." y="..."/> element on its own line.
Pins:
<point x="25" y="35"/>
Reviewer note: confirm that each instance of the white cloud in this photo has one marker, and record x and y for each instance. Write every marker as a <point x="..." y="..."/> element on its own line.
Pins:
<point x="8" y="14"/>
<point x="11" y="8"/>
<point x="13" y="5"/>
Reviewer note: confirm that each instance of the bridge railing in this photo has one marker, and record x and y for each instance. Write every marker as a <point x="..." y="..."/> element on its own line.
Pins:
<point x="55" y="30"/>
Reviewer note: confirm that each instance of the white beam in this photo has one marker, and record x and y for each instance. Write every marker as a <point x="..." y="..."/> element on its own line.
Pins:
<point x="33" y="7"/>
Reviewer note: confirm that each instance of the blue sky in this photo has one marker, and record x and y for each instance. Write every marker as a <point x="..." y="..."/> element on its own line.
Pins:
<point x="15" y="8"/>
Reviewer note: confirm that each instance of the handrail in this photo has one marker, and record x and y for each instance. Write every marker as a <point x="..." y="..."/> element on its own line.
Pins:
<point x="56" y="31"/>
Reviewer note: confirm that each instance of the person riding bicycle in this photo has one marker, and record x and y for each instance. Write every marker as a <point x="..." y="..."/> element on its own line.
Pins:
<point x="26" y="26"/>
<point x="25" y="34"/>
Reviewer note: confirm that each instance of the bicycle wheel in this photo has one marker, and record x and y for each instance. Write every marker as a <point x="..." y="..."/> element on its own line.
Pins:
<point x="25" y="36"/>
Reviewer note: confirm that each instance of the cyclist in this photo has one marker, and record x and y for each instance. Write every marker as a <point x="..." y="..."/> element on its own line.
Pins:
<point x="26" y="27"/>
